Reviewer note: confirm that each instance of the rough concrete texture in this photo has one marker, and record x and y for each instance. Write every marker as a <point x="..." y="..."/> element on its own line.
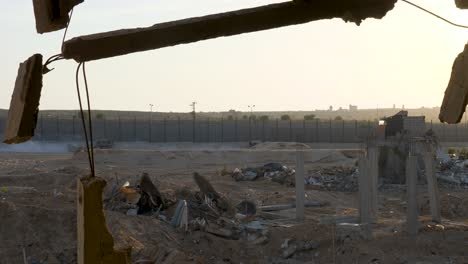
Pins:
<point x="411" y="196"/>
<point x="121" y="42"/>
<point x="52" y="15"/>
<point x="432" y="187"/>
<point x="456" y="94"/>
<point x="22" y="116"/>
<point x="95" y="243"/>
<point x="364" y="191"/>
<point x="462" y="4"/>
<point x="373" y="157"/>
<point x="300" y="194"/>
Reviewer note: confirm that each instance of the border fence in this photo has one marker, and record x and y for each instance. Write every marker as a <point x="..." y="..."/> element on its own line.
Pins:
<point x="127" y="129"/>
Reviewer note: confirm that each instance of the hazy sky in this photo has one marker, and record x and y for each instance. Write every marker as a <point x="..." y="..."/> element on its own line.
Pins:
<point x="406" y="58"/>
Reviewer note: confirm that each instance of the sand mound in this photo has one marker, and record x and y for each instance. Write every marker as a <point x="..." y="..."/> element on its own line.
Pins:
<point x="280" y="145"/>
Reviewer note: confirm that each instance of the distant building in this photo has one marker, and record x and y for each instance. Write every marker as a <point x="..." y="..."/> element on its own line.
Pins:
<point x="401" y="122"/>
<point x="353" y="107"/>
<point x="330" y="108"/>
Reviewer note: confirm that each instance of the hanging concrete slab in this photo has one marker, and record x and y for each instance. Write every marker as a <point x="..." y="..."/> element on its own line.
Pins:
<point x="24" y="105"/>
<point x="125" y="41"/>
<point x="456" y="94"/>
<point x="462" y="4"/>
<point x="52" y="15"/>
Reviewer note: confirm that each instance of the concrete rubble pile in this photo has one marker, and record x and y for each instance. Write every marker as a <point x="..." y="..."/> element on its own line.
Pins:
<point x="453" y="170"/>
<point x="205" y="210"/>
<point x="336" y="178"/>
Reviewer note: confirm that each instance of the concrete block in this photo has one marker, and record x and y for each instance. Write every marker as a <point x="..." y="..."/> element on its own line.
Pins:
<point x="52" y="15"/>
<point x="95" y="242"/>
<point x="456" y="94"/>
<point x="24" y="105"/>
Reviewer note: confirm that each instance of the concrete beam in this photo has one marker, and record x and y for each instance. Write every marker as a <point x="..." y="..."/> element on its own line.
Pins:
<point x="95" y="242"/>
<point x="24" y="105"/>
<point x="121" y="42"/>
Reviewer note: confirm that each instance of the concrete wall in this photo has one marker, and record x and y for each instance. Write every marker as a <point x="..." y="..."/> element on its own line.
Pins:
<point x="60" y="129"/>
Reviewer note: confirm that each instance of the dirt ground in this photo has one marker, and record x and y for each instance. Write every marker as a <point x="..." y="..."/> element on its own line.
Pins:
<point x="38" y="218"/>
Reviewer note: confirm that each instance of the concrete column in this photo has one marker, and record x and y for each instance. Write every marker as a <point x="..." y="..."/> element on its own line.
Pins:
<point x="411" y="194"/>
<point x="299" y="185"/>
<point x="432" y="186"/>
<point x="373" y="158"/>
<point x="365" y="198"/>
<point x="364" y="192"/>
<point x="95" y="243"/>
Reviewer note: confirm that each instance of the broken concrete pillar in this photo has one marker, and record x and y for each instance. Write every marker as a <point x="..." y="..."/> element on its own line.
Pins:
<point x="52" y="15"/>
<point x="95" y="242"/>
<point x="373" y="157"/>
<point x="365" y="197"/>
<point x="299" y="182"/>
<point x="24" y="105"/>
<point x="411" y="195"/>
<point x="121" y="42"/>
<point x="456" y="94"/>
<point x="432" y="187"/>
<point x="364" y="191"/>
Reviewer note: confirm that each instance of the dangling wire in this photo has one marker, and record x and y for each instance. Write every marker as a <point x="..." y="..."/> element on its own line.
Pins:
<point x="66" y="28"/>
<point x="89" y="141"/>
<point x="439" y="17"/>
<point x="57" y="57"/>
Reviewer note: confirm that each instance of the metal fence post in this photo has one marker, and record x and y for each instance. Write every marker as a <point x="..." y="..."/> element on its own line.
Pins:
<point x="222" y="129"/>
<point x="135" y="128"/>
<point x="164" y="131"/>
<point x="104" y="127"/>
<point x="330" y="131"/>
<point x="250" y="128"/>
<point x="277" y="130"/>
<point x="263" y="129"/>
<point x="42" y="128"/>
<point x="208" y="129"/>
<point x="120" y="129"/>
<point x="290" y="131"/>
<point x="342" y="131"/>
<point x="304" y="131"/>
<point x="73" y="127"/>
<point x="316" y="130"/>
<point x="356" y="135"/>
<point x="58" y="127"/>
<point x="178" y="129"/>
<point x="235" y="130"/>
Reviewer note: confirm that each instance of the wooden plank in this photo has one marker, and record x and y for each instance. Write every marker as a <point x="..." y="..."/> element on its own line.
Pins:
<point x="22" y="116"/>
<point x="121" y="42"/>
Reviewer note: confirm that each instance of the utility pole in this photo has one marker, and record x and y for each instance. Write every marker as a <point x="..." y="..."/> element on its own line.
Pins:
<point x="193" y="105"/>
